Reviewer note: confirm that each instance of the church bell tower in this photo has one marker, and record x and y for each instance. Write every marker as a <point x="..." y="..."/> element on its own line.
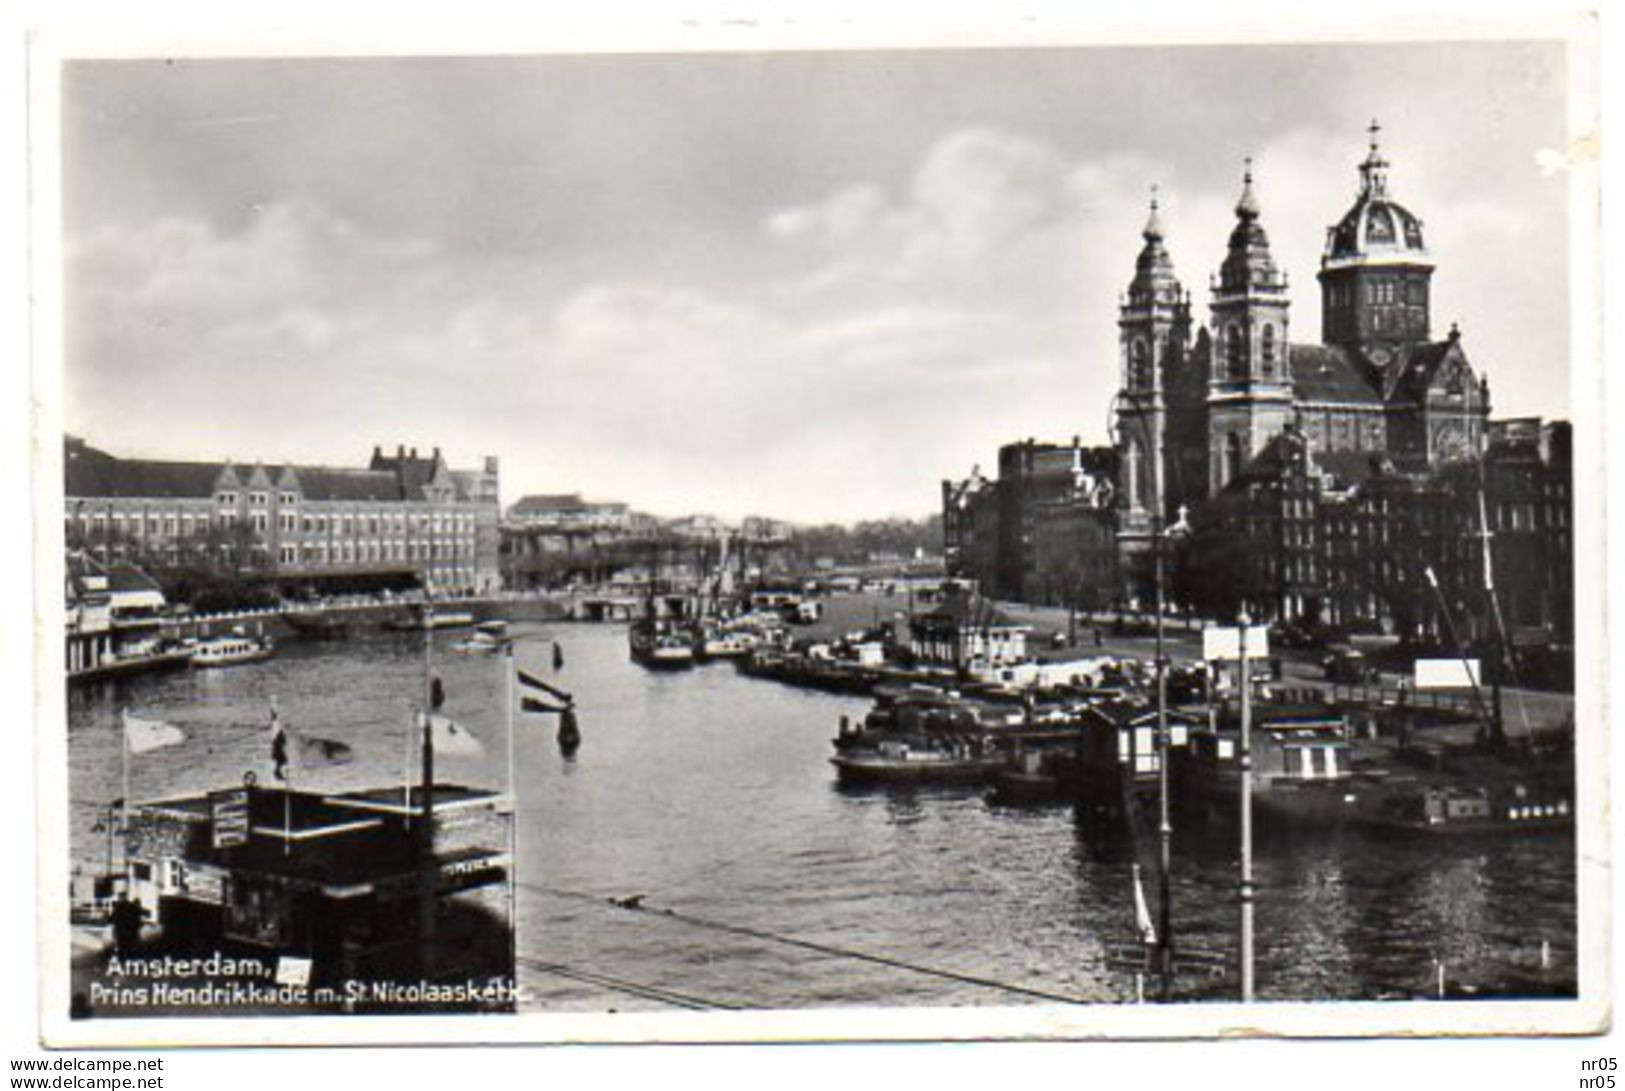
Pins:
<point x="1250" y="379"/>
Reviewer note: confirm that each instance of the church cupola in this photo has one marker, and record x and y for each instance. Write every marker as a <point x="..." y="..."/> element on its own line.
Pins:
<point x="1375" y="270"/>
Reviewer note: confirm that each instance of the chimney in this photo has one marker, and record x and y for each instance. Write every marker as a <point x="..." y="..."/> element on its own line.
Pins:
<point x="377" y="452"/>
<point x="437" y="454"/>
<point x="414" y="452"/>
<point x="400" y="450"/>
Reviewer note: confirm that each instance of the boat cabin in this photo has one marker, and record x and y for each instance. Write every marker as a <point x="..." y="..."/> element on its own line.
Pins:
<point x="337" y="879"/>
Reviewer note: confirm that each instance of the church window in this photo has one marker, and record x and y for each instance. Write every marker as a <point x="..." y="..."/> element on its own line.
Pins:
<point x="1235" y="351"/>
<point x="1267" y="349"/>
<point x="1232" y="457"/>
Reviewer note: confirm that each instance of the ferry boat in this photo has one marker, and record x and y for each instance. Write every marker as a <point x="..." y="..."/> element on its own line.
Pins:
<point x="229" y="651"/>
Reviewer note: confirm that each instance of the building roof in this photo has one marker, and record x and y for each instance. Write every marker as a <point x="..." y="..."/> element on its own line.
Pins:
<point x="102" y="475"/>
<point x="1330" y="373"/>
<point x="549" y="504"/>
<point x="331" y="483"/>
<point x="89" y="473"/>
<point x="1377" y="229"/>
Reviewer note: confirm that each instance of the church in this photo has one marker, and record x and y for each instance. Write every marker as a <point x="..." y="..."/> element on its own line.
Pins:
<point x="1318" y="484"/>
<point x="1198" y="405"/>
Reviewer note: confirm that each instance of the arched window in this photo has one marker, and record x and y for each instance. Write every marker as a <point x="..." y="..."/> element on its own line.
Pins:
<point x="1266" y="350"/>
<point x="1232" y="457"/>
<point x="1235" y="350"/>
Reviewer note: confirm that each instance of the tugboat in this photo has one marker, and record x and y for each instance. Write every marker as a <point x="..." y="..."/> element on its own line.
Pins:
<point x="919" y="736"/>
<point x="659" y="646"/>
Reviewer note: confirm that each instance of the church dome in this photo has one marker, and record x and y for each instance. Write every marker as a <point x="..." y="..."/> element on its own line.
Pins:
<point x="1378" y="229"/>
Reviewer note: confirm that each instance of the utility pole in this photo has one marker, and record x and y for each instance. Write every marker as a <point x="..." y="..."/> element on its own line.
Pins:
<point x="1246" y="762"/>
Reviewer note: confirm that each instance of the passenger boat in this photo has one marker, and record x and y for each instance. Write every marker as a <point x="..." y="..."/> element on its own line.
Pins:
<point x="229" y="651"/>
<point x="660" y="647"/>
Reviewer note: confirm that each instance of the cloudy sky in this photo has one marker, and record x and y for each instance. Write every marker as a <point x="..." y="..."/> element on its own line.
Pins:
<point x="808" y="285"/>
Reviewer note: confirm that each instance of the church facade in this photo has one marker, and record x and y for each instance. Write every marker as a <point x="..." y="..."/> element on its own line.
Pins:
<point x="1200" y="402"/>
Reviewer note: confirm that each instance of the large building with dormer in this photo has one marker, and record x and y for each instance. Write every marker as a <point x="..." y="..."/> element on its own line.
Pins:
<point x="403" y="519"/>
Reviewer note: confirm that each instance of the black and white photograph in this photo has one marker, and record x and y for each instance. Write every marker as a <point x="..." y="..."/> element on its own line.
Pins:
<point x="993" y="539"/>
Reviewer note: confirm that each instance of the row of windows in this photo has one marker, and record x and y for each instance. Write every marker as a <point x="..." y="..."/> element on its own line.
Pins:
<point x="372" y="552"/>
<point x="175" y="524"/>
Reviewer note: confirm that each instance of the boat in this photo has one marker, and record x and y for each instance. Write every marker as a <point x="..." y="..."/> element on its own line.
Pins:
<point x="915" y="736"/>
<point x="724" y="644"/>
<point x="418" y="620"/>
<point x="119" y="664"/>
<point x="487" y="637"/>
<point x="1443" y="790"/>
<point x="316" y="624"/>
<point x="659" y="646"/>
<point x="231" y="650"/>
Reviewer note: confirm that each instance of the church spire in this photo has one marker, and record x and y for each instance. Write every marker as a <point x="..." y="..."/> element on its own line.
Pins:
<point x="1153" y="222"/>
<point x="1247" y="206"/>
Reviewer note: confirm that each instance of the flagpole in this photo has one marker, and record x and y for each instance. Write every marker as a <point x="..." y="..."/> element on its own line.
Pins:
<point x="426" y="877"/>
<point x="124" y="751"/>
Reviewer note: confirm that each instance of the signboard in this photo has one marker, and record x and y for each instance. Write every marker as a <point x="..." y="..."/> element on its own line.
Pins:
<point x="228" y="817"/>
<point x="1446" y="674"/>
<point x="292" y="970"/>
<point x="1224" y="642"/>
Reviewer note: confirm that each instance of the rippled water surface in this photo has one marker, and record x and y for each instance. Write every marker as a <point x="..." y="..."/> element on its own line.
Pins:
<point x="710" y="794"/>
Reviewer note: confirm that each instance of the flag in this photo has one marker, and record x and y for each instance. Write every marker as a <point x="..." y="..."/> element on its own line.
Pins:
<point x="534" y="682"/>
<point x="315" y="752"/>
<point x="451" y="737"/>
<point x="1142" y="913"/>
<point x="143" y="735"/>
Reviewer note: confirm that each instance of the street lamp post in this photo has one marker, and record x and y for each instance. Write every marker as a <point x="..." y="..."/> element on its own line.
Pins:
<point x="1246" y="762"/>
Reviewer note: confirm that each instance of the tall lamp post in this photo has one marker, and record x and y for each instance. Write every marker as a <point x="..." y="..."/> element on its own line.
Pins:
<point x="1160" y="533"/>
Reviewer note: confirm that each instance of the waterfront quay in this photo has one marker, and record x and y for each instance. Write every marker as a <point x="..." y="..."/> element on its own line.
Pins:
<point x="699" y="850"/>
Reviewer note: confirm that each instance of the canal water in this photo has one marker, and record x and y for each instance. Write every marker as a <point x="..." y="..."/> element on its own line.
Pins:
<point x="710" y="795"/>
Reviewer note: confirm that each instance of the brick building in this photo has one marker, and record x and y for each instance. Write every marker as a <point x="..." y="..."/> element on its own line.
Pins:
<point x="403" y="518"/>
